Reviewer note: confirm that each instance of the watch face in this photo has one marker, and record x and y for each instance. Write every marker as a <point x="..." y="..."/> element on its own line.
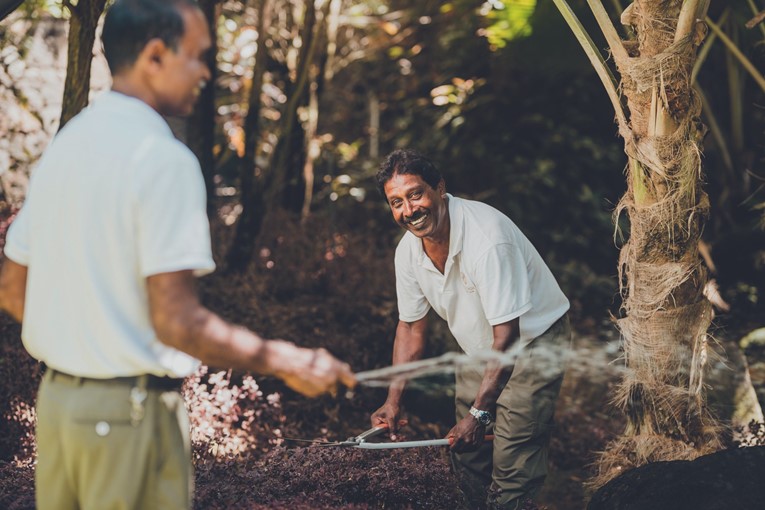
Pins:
<point x="483" y="417"/>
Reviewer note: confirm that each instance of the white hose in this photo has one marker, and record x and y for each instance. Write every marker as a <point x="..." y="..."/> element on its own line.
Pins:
<point x="403" y="444"/>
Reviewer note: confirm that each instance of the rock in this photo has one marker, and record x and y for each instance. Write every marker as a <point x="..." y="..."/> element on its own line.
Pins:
<point x="730" y="392"/>
<point x="725" y="480"/>
<point x="753" y="345"/>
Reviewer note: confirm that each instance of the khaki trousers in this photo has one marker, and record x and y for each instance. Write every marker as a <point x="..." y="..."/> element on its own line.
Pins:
<point x="92" y="456"/>
<point x="504" y="473"/>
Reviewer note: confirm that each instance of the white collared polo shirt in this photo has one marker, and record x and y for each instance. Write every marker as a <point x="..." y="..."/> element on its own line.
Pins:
<point x="493" y="274"/>
<point x="115" y="199"/>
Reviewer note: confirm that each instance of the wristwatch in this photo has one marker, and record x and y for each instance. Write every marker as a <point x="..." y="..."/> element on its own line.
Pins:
<point x="483" y="417"/>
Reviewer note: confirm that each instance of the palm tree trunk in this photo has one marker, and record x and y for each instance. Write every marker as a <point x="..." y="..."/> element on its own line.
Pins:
<point x="664" y="316"/>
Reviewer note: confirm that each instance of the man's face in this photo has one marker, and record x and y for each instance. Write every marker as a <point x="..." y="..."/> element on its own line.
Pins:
<point x="417" y="207"/>
<point x="184" y="71"/>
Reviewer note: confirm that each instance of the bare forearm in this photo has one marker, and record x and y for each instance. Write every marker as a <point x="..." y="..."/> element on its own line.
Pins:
<point x="181" y="321"/>
<point x="13" y="307"/>
<point x="497" y="374"/>
<point x="494" y="380"/>
<point x="409" y="345"/>
<point x="13" y="285"/>
<point x="215" y="342"/>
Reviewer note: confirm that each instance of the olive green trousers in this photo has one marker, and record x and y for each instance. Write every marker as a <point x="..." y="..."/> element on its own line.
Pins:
<point x="93" y="453"/>
<point x="503" y="473"/>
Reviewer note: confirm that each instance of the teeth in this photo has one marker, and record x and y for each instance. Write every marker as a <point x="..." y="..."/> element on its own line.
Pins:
<point x="419" y="221"/>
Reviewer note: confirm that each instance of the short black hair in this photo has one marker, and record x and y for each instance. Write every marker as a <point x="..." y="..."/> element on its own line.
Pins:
<point x="407" y="161"/>
<point x="130" y="24"/>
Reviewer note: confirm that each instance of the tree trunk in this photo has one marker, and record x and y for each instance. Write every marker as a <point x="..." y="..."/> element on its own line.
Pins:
<point x="253" y="207"/>
<point x="289" y="155"/>
<point x="82" y="35"/>
<point x="201" y="123"/>
<point x="269" y="188"/>
<point x="8" y="6"/>
<point x="665" y="315"/>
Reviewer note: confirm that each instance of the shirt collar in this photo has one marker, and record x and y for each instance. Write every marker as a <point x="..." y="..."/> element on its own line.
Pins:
<point x="134" y="107"/>
<point x="456" y="228"/>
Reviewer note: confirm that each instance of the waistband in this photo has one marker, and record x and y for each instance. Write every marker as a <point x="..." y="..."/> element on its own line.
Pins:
<point x="153" y="382"/>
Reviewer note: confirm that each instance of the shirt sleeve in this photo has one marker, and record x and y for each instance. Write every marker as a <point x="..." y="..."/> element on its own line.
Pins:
<point x="412" y="304"/>
<point x="173" y="228"/>
<point x="502" y="280"/>
<point x="17" y="237"/>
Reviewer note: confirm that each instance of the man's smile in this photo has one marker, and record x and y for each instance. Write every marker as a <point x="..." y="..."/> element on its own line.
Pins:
<point x="419" y="221"/>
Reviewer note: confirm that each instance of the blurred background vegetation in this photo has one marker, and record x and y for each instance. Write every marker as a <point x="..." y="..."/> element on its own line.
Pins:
<point x="308" y="97"/>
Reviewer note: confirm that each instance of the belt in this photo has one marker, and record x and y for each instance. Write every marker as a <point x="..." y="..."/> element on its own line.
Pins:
<point x="153" y="382"/>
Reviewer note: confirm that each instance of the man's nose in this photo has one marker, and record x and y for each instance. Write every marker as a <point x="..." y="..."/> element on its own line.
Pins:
<point x="408" y="210"/>
<point x="206" y="74"/>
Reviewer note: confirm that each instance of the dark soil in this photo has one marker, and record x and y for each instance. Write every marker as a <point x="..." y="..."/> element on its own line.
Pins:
<point x="729" y="479"/>
<point x="331" y="477"/>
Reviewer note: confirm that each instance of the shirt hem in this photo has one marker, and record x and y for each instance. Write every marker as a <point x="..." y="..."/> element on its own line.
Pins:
<point x="510" y="316"/>
<point x="414" y="318"/>
<point x="15" y="255"/>
<point x="199" y="267"/>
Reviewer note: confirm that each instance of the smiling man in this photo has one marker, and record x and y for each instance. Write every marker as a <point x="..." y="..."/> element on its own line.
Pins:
<point x="100" y="269"/>
<point x="477" y="270"/>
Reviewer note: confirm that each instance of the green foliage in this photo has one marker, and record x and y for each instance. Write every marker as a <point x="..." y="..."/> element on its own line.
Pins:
<point x="33" y="9"/>
<point x="509" y="20"/>
<point x="497" y="92"/>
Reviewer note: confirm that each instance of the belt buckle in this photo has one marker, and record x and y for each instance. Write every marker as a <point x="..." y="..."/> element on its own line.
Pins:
<point x="138" y="395"/>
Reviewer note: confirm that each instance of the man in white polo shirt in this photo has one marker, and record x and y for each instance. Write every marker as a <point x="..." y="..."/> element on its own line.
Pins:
<point x="475" y="268"/>
<point x="100" y="268"/>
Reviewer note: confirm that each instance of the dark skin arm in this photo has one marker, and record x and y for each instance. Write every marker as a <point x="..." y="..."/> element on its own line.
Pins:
<point x="468" y="434"/>
<point x="13" y="288"/>
<point x="408" y="346"/>
<point x="180" y="321"/>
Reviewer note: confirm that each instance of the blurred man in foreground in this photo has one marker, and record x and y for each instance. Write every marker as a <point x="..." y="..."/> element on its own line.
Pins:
<point x="100" y="268"/>
<point x="475" y="268"/>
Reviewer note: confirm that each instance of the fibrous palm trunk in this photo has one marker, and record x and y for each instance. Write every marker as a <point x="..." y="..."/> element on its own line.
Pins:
<point x="665" y="315"/>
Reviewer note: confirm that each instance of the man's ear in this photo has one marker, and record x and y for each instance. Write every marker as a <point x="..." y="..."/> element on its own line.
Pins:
<point x="441" y="188"/>
<point x="152" y="55"/>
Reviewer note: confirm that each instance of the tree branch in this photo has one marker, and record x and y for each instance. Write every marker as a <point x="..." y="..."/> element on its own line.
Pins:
<point x="689" y="15"/>
<point x="609" y="31"/>
<point x="704" y="51"/>
<point x="597" y="61"/>
<point x="758" y="17"/>
<point x="756" y="20"/>
<point x="73" y="9"/>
